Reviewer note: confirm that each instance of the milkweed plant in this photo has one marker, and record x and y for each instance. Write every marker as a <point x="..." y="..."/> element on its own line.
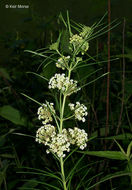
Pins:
<point x="58" y="139"/>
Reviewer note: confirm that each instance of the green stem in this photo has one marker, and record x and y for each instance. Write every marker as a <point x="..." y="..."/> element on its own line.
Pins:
<point x="63" y="173"/>
<point x="62" y="107"/>
<point x="62" y="113"/>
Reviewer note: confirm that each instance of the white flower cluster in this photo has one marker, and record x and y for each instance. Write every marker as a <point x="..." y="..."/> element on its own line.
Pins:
<point x="78" y="137"/>
<point x="59" y="143"/>
<point x="80" y="111"/>
<point x="78" y="42"/>
<point x="63" y="83"/>
<point x="63" y="62"/>
<point x="45" y="134"/>
<point x="44" y="112"/>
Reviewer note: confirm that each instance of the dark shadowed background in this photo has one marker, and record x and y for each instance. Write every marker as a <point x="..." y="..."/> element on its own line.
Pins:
<point x="32" y="22"/>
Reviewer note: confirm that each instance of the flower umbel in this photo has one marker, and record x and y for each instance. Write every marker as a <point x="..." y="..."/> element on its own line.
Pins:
<point x="63" y="62"/>
<point x="80" y="111"/>
<point x="60" y="143"/>
<point x="79" y="137"/>
<point x="45" y="134"/>
<point x="63" y="83"/>
<point x="79" y="43"/>
<point x="44" y="112"/>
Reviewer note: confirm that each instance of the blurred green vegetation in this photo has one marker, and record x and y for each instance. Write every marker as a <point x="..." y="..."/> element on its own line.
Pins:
<point x="36" y="28"/>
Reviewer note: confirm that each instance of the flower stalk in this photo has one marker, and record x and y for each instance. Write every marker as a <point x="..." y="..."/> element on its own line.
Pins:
<point x="63" y="173"/>
<point x="61" y="127"/>
<point x="62" y="113"/>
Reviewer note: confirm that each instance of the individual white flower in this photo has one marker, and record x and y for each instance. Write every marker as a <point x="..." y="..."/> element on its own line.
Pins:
<point x="44" y="112"/>
<point x="80" y="111"/>
<point x="47" y="151"/>
<point x="72" y="106"/>
<point x="60" y="144"/>
<point x="63" y="62"/>
<point x="63" y="83"/>
<point x="78" y="137"/>
<point x="45" y="134"/>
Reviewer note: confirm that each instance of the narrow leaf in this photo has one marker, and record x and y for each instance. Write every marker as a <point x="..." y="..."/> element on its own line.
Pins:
<point x="38" y="75"/>
<point x="111" y="176"/>
<point x="117" y="155"/>
<point x="31" y="99"/>
<point x="94" y="80"/>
